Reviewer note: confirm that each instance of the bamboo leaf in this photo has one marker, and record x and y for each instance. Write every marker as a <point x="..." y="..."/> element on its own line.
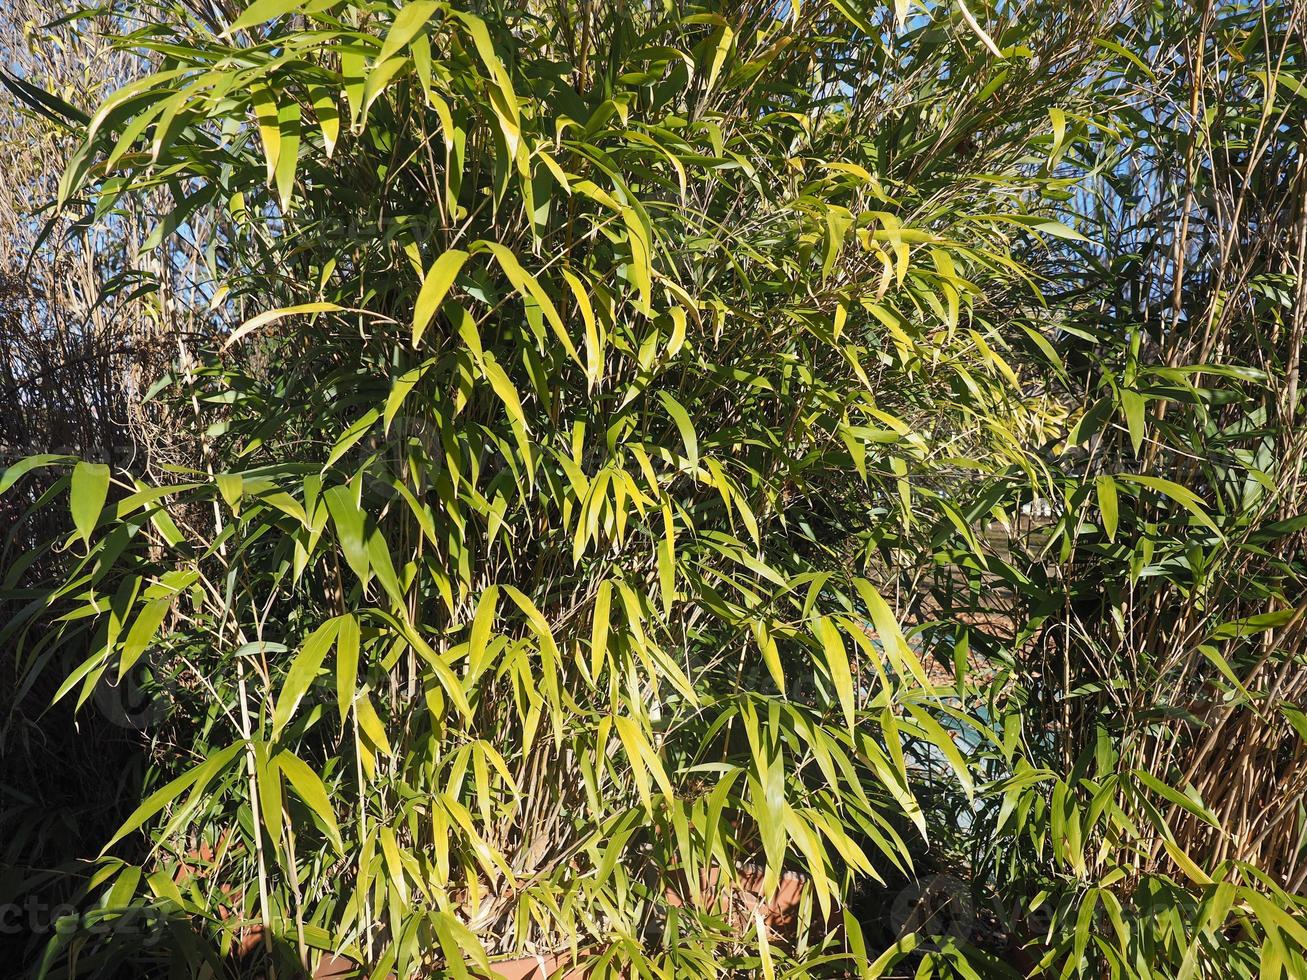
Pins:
<point x="1105" y="487"/>
<point x="288" y="125"/>
<point x="146" y="624"/>
<point x="435" y="287"/>
<point x="979" y="31"/>
<point x="482" y="623"/>
<point x="311" y="790"/>
<point x="837" y="663"/>
<point x="262" y="11"/>
<point x="347" y="663"/>
<point x="12" y="474"/>
<point x="86" y="496"/>
<point x="347" y="518"/>
<point x="1183" y="496"/>
<point x="599" y="629"/>
<point x="303" y="672"/>
<point x="411" y="19"/>
<point x="195" y="779"/>
<point x="503" y="387"/>
<point x="399" y="391"/>
<point x="272" y="316"/>
<point x="683" y="425"/>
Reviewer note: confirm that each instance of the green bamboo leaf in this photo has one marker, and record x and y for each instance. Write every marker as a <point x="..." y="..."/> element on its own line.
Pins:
<point x="764" y="946"/>
<point x="146" y="624"/>
<point x="459" y="943"/>
<point x="86" y="496"/>
<point x="503" y="387"/>
<point x="394" y="864"/>
<point x="667" y="561"/>
<point x="838" y="220"/>
<point x="1183" y="496"/>
<point x="837" y="664"/>
<point x="507" y="101"/>
<point x="262" y="11"/>
<point x="163" y="886"/>
<point x="378" y="80"/>
<point x="311" y="790"/>
<point x="1105" y="487"/>
<point x="1186" y="864"/>
<point x="323" y="99"/>
<point x="643" y="758"/>
<point x="347" y="664"/>
<point x="383" y="567"/>
<point x="944" y="740"/>
<point x="1129" y="55"/>
<point x="683" y="425"/>
<point x="1184" y="802"/>
<point x="892" y="955"/>
<point x="347" y="518"/>
<point x="435" y="287"/>
<point x="351" y="436"/>
<point x="303" y="671"/>
<point x="400" y="390"/>
<point x="370" y="723"/>
<point x="641" y="267"/>
<point x="482" y="623"/>
<point x="1132" y="406"/>
<point x="448" y="681"/>
<point x="770" y="654"/>
<point x="231" y="486"/>
<point x="353" y="70"/>
<point x="406" y="25"/>
<point x="264" y="103"/>
<point x="1057" y="117"/>
<point x="891" y="636"/>
<point x="1251" y="625"/>
<point x="271" y="316"/>
<point x="539" y="624"/>
<point x="599" y="629"/>
<point x="288" y="126"/>
<point x="722" y="47"/>
<point x="1084" y="921"/>
<point x="529" y="288"/>
<point x="1274" y="916"/>
<point x="12" y="474"/>
<point x="195" y="780"/>
<point x="268" y="780"/>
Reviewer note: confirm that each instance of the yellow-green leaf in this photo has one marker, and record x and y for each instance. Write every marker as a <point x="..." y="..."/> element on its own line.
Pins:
<point x="683" y="425"/>
<point x="406" y="25"/>
<point x="311" y="790"/>
<point x="1105" y="488"/>
<point x="435" y="286"/>
<point x="837" y="664"/>
<point x="262" y="11"/>
<point x="303" y="671"/>
<point x="142" y="632"/>
<point x="347" y="664"/>
<point x="270" y="316"/>
<point x="86" y="496"/>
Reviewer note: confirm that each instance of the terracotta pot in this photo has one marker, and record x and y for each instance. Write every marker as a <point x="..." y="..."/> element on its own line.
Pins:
<point x="746" y="896"/>
<point x="531" y="968"/>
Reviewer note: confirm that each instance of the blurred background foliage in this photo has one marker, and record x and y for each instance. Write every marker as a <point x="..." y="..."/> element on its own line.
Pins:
<point x="493" y="480"/>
